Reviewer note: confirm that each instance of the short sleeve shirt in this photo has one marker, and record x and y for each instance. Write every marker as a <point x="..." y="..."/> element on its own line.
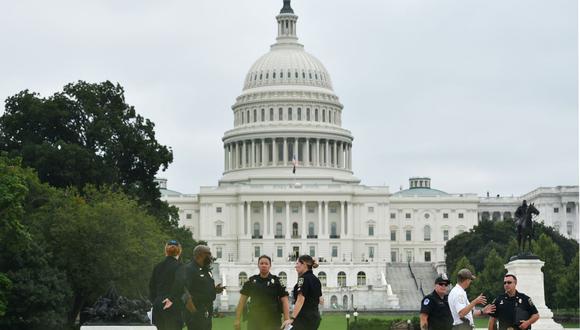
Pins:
<point x="309" y="286"/>
<point x="509" y="309"/>
<point x="457" y="301"/>
<point x="437" y="309"/>
<point x="265" y="294"/>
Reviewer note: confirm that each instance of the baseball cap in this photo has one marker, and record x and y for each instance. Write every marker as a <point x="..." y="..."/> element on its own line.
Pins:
<point x="442" y="278"/>
<point x="465" y="274"/>
<point x="173" y="242"/>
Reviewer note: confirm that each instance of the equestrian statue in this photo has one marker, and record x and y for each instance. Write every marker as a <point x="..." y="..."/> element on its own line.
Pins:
<point x="525" y="226"/>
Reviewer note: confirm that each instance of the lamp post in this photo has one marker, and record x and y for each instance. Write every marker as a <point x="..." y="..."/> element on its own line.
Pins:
<point x="347" y="321"/>
<point x="355" y="314"/>
<point x="409" y="324"/>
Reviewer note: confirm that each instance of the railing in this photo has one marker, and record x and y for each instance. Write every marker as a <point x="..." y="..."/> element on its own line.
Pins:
<point x="312" y="236"/>
<point x="334" y="236"/>
<point x="256" y="236"/>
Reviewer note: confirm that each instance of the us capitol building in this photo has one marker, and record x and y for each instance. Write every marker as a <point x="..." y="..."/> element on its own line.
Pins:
<point x="377" y="250"/>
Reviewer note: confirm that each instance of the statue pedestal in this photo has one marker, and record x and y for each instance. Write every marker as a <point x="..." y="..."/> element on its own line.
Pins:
<point x="531" y="282"/>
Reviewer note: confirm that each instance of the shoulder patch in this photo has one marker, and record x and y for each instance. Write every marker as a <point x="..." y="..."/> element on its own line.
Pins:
<point x="300" y="281"/>
<point x="426" y="301"/>
<point x="530" y="302"/>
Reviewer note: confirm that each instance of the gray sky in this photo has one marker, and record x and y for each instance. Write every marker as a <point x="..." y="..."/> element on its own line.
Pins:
<point x="479" y="95"/>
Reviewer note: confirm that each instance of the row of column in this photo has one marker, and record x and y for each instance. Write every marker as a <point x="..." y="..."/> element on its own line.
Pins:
<point x="307" y="151"/>
<point x="268" y="225"/>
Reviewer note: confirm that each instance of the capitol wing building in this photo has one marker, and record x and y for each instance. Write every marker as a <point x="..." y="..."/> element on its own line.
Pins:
<point x="288" y="189"/>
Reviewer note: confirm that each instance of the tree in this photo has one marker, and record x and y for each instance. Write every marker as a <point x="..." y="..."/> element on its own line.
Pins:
<point x="5" y="287"/>
<point x="87" y="134"/>
<point x="490" y="280"/>
<point x="550" y="253"/>
<point x="567" y="284"/>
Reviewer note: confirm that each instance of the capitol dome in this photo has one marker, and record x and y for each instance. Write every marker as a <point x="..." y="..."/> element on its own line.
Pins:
<point x="287" y="120"/>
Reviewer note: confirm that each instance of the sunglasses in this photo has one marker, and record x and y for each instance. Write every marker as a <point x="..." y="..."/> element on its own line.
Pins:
<point x="443" y="284"/>
<point x="507" y="282"/>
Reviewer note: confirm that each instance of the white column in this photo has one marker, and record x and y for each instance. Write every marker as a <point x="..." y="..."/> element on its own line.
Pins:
<point x="317" y="152"/>
<point x="350" y="220"/>
<point x="326" y="224"/>
<point x="285" y="155"/>
<point x="267" y="228"/>
<point x="242" y="223"/>
<point x="274" y="152"/>
<point x="295" y="152"/>
<point x="243" y="154"/>
<point x="253" y="162"/>
<point x="303" y="220"/>
<point x="342" y="221"/>
<point x="350" y="156"/>
<point x="288" y="229"/>
<point x="307" y="157"/>
<point x="236" y="154"/>
<point x="249" y="218"/>
<point x="335" y="153"/>
<point x="225" y="157"/>
<point x="263" y="154"/>
<point x="319" y="219"/>
<point x="272" y="227"/>
<point x="327" y="154"/>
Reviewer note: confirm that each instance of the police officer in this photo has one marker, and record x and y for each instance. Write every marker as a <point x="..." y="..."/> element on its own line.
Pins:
<point x="306" y="294"/>
<point x="196" y="280"/>
<point x="514" y="310"/>
<point x="166" y="307"/>
<point x="435" y="313"/>
<point x="268" y="296"/>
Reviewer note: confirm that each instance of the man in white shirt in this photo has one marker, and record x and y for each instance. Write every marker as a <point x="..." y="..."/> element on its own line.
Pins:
<point x="461" y="308"/>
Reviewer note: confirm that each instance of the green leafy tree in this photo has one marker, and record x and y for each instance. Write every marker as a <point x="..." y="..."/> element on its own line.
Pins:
<point x="568" y="284"/>
<point x="490" y="280"/>
<point x="87" y="134"/>
<point x="550" y="253"/>
<point x="5" y="287"/>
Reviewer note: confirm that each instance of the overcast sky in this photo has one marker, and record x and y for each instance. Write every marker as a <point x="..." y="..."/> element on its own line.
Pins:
<point x="478" y="95"/>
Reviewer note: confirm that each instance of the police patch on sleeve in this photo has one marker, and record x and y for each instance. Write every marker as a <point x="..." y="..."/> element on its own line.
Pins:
<point x="530" y="302"/>
<point x="300" y="281"/>
<point x="426" y="301"/>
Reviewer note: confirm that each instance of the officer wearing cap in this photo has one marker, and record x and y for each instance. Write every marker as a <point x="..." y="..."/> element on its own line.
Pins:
<point x="462" y="310"/>
<point x="435" y="313"/>
<point x="166" y="307"/>
<point x="514" y="310"/>
<point x="195" y="282"/>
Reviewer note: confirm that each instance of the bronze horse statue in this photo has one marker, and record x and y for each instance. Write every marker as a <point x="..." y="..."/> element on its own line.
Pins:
<point x="525" y="226"/>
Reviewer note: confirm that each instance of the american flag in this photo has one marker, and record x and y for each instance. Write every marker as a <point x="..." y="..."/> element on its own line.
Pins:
<point x="294" y="163"/>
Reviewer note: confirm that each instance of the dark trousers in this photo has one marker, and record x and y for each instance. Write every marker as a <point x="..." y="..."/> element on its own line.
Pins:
<point x="463" y="326"/>
<point x="197" y="321"/>
<point x="306" y="323"/>
<point x="169" y="319"/>
<point x="263" y="323"/>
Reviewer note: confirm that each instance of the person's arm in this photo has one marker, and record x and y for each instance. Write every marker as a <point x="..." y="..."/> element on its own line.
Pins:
<point x="465" y="310"/>
<point x="239" y="309"/>
<point x="297" y="307"/>
<point x="424" y="319"/>
<point x="530" y="321"/>
<point x="285" y="307"/>
<point x="491" y="323"/>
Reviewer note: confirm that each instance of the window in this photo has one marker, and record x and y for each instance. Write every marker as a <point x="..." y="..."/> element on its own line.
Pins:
<point x="280" y="114"/>
<point x="445" y="234"/>
<point x="256" y="230"/>
<point x="322" y="279"/>
<point x="310" y="210"/>
<point x="271" y="114"/>
<point x="255" y="116"/>
<point x="556" y="210"/>
<point x="256" y="210"/>
<point x="312" y="251"/>
<point x="341" y="279"/>
<point x="333" y="210"/>
<point x="257" y="252"/>
<point x="371" y="230"/>
<point x="393" y="256"/>
<point x="393" y="235"/>
<point x="283" y="278"/>
<point x="569" y="227"/>
<point x="371" y="252"/>
<point x="299" y="114"/>
<point x="307" y="114"/>
<point x="393" y="215"/>
<point x="407" y="235"/>
<point x="218" y="252"/>
<point x="263" y="117"/>
<point x="242" y="278"/>
<point x="289" y="113"/>
<point x="568" y="210"/>
<point x="315" y="114"/>
<point x="218" y="210"/>
<point x="278" y="210"/>
<point x="445" y="215"/>
<point x="460" y="215"/>
<point x="295" y="229"/>
<point x="407" y="215"/>
<point x="311" y="229"/>
<point x="427" y="233"/>
<point x="427" y="256"/>
<point x="334" y="252"/>
<point x="361" y="279"/>
<point x="279" y="252"/>
<point x="371" y="209"/>
<point x="218" y="230"/>
<point x="323" y="116"/>
<point x="333" y="229"/>
<point x="188" y="216"/>
<point x="279" y="230"/>
<point x="294" y="210"/>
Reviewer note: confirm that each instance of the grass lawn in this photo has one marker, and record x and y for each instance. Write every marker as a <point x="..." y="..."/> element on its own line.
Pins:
<point x="338" y="322"/>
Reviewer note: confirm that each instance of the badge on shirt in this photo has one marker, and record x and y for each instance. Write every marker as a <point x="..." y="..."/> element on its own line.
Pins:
<point x="501" y="302"/>
<point x="520" y="301"/>
<point x="426" y="301"/>
<point x="272" y="281"/>
<point x="210" y="274"/>
<point x="201" y="275"/>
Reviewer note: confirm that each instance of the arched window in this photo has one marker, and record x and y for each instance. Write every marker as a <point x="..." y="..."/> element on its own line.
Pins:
<point x="242" y="278"/>
<point x="341" y="279"/>
<point x="345" y="302"/>
<point x="299" y="114"/>
<point x="307" y="114"/>
<point x="333" y="229"/>
<point x="315" y="115"/>
<point x="271" y="114"/>
<point x="263" y="115"/>
<point x="323" y="115"/>
<point x="427" y="233"/>
<point x="255" y="115"/>
<point x="334" y="302"/>
<point x="289" y="113"/>
<point x="322" y="279"/>
<point x="279" y="229"/>
<point x="311" y="229"/>
<point x="280" y="114"/>
<point x="294" y="229"/>
<point x="361" y="279"/>
<point x="283" y="278"/>
<point x="256" y="230"/>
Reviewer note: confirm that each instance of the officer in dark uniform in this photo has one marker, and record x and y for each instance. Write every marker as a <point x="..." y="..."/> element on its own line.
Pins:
<point x="435" y="312"/>
<point x="268" y="297"/>
<point x="514" y="310"/>
<point x="166" y="306"/>
<point x="196" y="284"/>
<point x="306" y="294"/>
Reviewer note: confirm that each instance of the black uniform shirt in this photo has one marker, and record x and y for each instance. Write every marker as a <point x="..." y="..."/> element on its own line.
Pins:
<point x="309" y="285"/>
<point x="162" y="280"/>
<point x="438" y="310"/>
<point x="510" y="309"/>
<point x="200" y="284"/>
<point x="265" y="295"/>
